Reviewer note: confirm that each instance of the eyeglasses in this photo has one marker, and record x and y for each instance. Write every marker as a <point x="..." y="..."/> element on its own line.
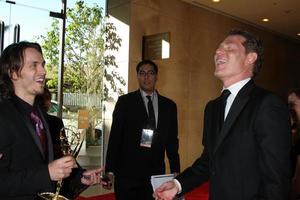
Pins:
<point x="148" y="73"/>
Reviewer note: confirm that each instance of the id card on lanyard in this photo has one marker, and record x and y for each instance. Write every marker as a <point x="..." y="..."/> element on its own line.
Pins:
<point x="146" y="137"/>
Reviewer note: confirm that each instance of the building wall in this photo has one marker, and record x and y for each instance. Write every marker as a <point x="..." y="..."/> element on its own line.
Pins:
<point x="187" y="76"/>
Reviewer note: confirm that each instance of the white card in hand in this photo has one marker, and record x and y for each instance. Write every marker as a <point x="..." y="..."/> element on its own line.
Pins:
<point x="157" y="180"/>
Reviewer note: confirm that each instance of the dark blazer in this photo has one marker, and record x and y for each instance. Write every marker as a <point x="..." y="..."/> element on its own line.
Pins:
<point x="250" y="157"/>
<point x="125" y="157"/>
<point x="23" y="164"/>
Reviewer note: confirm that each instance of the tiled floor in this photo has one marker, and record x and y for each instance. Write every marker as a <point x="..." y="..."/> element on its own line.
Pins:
<point x="91" y="159"/>
<point x="94" y="191"/>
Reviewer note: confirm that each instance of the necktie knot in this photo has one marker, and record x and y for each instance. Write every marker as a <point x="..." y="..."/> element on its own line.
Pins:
<point x="149" y="98"/>
<point x="35" y="118"/>
<point x="225" y="95"/>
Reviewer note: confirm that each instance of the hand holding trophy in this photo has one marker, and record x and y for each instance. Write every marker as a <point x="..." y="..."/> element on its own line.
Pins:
<point x="72" y="148"/>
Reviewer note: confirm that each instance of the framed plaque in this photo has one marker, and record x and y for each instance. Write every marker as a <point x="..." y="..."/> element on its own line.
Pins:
<point x="156" y="46"/>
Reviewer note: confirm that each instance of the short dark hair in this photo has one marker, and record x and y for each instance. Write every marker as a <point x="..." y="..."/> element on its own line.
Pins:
<point x="12" y="60"/>
<point x="146" y="62"/>
<point x="251" y="44"/>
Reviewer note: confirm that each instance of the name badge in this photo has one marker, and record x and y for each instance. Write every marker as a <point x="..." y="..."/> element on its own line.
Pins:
<point x="146" y="138"/>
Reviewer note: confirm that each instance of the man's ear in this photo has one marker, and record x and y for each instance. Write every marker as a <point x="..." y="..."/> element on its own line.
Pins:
<point x="13" y="75"/>
<point x="251" y="58"/>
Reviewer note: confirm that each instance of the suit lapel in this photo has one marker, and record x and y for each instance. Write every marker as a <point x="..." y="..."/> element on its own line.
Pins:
<point x="140" y="110"/>
<point x="238" y="104"/>
<point x="160" y="107"/>
<point x="141" y="103"/>
<point x="33" y="134"/>
<point x="30" y="127"/>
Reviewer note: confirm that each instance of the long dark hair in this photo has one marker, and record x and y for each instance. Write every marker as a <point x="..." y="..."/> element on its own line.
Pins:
<point x="12" y="60"/>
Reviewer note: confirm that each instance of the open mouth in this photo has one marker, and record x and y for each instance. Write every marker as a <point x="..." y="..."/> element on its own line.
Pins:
<point x="220" y="61"/>
<point x="40" y="80"/>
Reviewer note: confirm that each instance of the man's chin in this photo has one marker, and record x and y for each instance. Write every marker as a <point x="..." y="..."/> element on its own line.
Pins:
<point x="218" y="74"/>
<point x="148" y="90"/>
<point x="40" y="91"/>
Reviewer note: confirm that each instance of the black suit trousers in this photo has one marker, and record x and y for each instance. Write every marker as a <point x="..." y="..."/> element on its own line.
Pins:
<point x="133" y="189"/>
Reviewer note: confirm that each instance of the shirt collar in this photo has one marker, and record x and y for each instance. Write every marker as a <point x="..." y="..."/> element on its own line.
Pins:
<point x="236" y="87"/>
<point x="26" y="106"/>
<point x="144" y="94"/>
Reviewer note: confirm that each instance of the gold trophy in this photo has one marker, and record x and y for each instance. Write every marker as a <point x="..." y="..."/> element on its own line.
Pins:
<point x="68" y="148"/>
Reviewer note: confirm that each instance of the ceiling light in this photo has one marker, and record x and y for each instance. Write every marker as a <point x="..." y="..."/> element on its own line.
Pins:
<point x="216" y="1"/>
<point x="265" y="19"/>
<point x="298" y="34"/>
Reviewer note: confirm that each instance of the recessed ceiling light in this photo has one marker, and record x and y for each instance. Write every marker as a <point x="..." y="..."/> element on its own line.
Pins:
<point x="265" y="19"/>
<point x="216" y="1"/>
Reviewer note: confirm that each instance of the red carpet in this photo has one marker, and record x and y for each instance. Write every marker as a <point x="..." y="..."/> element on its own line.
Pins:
<point x="200" y="193"/>
<point x="109" y="196"/>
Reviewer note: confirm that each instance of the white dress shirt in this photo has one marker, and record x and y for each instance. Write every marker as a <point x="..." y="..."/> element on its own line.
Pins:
<point x="234" y="90"/>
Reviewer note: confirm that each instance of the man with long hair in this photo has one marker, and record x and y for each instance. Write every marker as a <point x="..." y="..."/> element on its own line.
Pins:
<point x="27" y="164"/>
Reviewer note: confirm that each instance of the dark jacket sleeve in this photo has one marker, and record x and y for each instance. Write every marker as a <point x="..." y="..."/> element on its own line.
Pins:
<point x="115" y="137"/>
<point x="172" y="142"/>
<point x="273" y="135"/>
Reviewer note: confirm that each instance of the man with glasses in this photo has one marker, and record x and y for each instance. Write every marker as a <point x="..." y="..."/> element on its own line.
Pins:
<point x="144" y="127"/>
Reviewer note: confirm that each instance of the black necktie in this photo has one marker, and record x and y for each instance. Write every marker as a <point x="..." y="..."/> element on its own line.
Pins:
<point x="151" y="115"/>
<point x="223" y="100"/>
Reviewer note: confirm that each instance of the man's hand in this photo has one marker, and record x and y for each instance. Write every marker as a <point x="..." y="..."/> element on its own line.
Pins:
<point x="167" y="191"/>
<point x="92" y="176"/>
<point x="61" y="168"/>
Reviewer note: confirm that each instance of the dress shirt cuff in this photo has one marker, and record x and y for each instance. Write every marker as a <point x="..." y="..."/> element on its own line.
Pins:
<point x="178" y="185"/>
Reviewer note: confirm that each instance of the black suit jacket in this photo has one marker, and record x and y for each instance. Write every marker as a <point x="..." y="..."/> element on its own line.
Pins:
<point x="250" y="157"/>
<point x="23" y="164"/>
<point x="125" y="157"/>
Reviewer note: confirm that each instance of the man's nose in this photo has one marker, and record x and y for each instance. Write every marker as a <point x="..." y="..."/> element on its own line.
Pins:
<point x="219" y="51"/>
<point x="42" y="70"/>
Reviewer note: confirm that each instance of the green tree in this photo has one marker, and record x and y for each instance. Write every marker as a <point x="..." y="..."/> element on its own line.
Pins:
<point x="50" y="44"/>
<point x="88" y="41"/>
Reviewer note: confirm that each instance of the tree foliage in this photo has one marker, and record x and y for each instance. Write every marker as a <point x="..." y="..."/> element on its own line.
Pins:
<point x="88" y="64"/>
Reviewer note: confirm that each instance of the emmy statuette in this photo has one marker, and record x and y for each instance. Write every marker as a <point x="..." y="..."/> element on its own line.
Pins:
<point x="75" y="143"/>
